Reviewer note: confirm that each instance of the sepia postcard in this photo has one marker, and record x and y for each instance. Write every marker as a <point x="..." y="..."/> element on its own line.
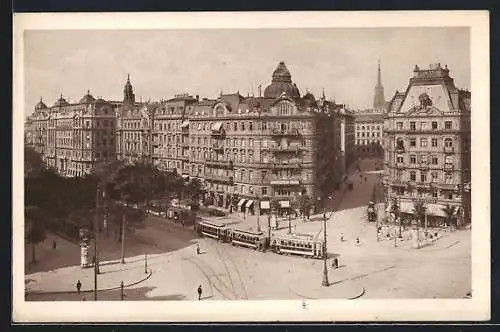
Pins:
<point x="251" y="167"/>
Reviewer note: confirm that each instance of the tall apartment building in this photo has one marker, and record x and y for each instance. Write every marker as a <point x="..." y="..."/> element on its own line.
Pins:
<point x="427" y="145"/>
<point x="279" y="145"/>
<point x="134" y="122"/>
<point x="74" y="137"/>
<point x="369" y="133"/>
<point x="170" y="144"/>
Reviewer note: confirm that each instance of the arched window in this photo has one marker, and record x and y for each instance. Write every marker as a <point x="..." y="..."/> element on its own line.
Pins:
<point x="448" y="142"/>
<point x="399" y="143"/>
<point x="448" y="160"/>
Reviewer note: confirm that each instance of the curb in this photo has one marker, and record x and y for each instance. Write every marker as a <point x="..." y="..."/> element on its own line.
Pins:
<point x="362" y="292"/>
<point x="91" y="290"/>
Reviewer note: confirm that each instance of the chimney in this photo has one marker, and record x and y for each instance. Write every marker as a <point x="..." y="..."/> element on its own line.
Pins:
<point x="197" y="97"/>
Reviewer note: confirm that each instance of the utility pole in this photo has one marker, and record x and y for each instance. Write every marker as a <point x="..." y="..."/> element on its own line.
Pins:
<point x="325" y="256"/>
<point x="96" y="221"/>
<point x="258" y="214"/>
<point x="123" y="238"/>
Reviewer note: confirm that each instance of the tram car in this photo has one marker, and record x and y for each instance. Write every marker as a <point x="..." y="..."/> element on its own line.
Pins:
<point x="371" y="212"/>
<point x="249" y="239"/>
<point x="297" y="244"/>
<point x="215" y="231"/>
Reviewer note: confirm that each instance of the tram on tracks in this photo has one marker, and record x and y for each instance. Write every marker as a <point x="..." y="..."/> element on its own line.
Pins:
<point x="305" y="245"/>
<point x="213" y="230"/>
<point x="254" y="240"/>
<point x="297" y="244"/>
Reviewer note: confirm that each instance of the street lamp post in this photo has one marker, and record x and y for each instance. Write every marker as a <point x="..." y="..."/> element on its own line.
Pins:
<point x="325" y="253"/>
<point x="96" y="221"/>
<point x="258" y="214"/>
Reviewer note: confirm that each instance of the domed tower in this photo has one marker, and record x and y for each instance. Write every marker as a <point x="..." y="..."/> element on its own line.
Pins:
<point x="61" y="102"/>
<point x="87" y="99"/>
<point x="128" y="93"/>
<point x="40" y="105"/>
<point x="281" y="82"/>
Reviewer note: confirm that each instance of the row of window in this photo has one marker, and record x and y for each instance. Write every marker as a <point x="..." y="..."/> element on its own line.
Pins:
<point x="366" y="141"/>
<point x="424" y="159"/>
<point x="434" y="176"/>
<point x="433" y="125"/>
<point x="249" y="126"/>
<point x="448" y="142"/>
<point x="360" y="127"/>
<point x="374" y="134"/>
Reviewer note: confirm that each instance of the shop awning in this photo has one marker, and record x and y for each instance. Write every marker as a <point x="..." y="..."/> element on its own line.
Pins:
<point x="185" y="124"/>
<point x="285" y="204"/>
<point x="249" y="203"/>
<point x="240" y="203"/>
<point x="435" y="210"/>
<point x="217" y="126"/>
<point x="265" y="205"/>
<point x="405" y="207"/>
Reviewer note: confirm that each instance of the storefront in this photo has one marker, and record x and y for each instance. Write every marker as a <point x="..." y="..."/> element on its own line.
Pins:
<point x="249" y="207"/>
<point x="265" y="207"/>
<point x="241" y="205"/>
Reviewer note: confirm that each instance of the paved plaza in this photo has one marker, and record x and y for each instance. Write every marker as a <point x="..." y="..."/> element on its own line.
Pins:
<point x="371" y="269"/>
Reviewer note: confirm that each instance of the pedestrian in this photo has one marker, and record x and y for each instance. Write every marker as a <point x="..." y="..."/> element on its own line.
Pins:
<point x="78" y="286"/>
<point x="54" y="245"/>
<point x="197" y="248"/>
<point x="341" y="237"/>
<point x="357" y="240"/>
<point x="199" y="292"/>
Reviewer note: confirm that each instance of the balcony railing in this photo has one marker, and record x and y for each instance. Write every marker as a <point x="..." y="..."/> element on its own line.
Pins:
<point x="215" y="162"/>
<point x="217" y="147"/>
<point x="285" y="132"/>
<point x="282" y="165"/>
<point x="219" y="178"/>
<point x="400" y="149"/>
<point x="448" y="149"/>
<point x="286" y="182"/>
<point x="400" y="165"/>
<point x="289" y="148"/>
<point x="423" y="165"/>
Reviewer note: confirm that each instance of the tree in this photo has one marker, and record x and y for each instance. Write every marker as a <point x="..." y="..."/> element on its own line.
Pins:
<point x="419" y="209"/>
<point x="33" y="163"/>
<point x="193" y="190"/>
<point x="34" y="228"/>
<point x="304" y="204"/>
<point x="274" y="204"/>
<point x="449" y="218"/>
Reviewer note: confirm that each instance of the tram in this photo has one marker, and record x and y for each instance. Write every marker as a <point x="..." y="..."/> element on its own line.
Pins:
<point x="254" y="240"/>
<point x="297" y="244"/>
<point x="215" y="231"/>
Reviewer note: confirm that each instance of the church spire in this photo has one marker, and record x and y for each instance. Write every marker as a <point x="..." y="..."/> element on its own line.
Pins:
<point x="128" y="92"/>
<point x="379" y="98"/>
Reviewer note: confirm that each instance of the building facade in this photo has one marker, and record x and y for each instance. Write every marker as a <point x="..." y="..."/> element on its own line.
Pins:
<point x="170" y="144"/>
<point x="254" y="148"/>
<point x="427" y="145"/>
<point x="369" y="133"/>
<point x="134" y="123"/>
<point x="73" y="137"/>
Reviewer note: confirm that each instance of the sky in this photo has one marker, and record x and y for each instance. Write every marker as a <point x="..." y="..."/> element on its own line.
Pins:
<point x="161" y="63"/>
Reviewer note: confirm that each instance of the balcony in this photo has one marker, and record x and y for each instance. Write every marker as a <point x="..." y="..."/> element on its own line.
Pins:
<point x="182" y="157"/>
<point x="400" y="149"/>
<point x="400" y="165"/>
<point x="448" y="166"/>
<point x="222" y="163"/>
<point x="449" y="149"/>
<point x="285" y="132"/>
<point x="289" y="148"/>
<point x="155" y="142"/>
<point x="295" y="164"/>
<point x="219" y="178"/>
<point x="287" y="182"/>
<point x="217" y="147"/>
<point x="423" y="165"/>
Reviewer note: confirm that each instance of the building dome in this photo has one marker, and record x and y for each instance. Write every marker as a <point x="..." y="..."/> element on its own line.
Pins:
<point x="281" y="82"/>
<point x="309" y="100"/>
<point x="61" y="102"/>
<point x="87" y="99"/>
<point x="40" y="105"/>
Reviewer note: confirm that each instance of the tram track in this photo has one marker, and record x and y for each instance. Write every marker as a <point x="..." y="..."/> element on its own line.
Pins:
<point x="236" y="269"/>
<point x="213" y="284"/>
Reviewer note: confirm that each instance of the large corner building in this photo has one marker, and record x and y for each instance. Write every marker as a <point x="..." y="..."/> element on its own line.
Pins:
<point x="427" y="145"/>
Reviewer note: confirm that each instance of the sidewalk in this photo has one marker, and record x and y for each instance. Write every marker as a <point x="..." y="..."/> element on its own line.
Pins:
<point x="112" y="273"/>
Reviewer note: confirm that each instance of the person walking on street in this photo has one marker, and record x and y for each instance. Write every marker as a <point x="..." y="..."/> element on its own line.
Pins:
<point x="342" y="237"/>
<point x="200" y="291"/>
<point x="357" y="241"/>
<point x="54" y="244"/>
<point x="78" y="286"/>
<point x="197" y="248"/>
